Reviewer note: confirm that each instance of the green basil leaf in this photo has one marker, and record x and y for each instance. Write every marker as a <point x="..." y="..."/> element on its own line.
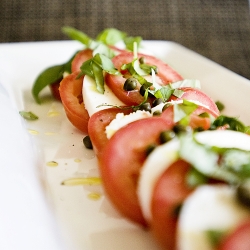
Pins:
<point x="232" y="122"/>
<point x="86" y="68"/>
<point x="98" y="76"/>
<point x="129" y="42"/>
<point x="111" y="36"/>
<point x="28" y="115"/>
<point x="77" y="35"/>
<point x="47" y="77"/>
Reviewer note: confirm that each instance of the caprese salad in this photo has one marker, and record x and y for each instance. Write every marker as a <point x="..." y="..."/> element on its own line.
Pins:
<point x="169" y="160"/>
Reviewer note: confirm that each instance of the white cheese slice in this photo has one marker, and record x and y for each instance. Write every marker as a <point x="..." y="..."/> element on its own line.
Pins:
<point x="122" y="120"/>
<point x="224" y="139"/>
<point x="208" y="208"/>
<point x="94" y="100"/>
<point x="156" y="163"/>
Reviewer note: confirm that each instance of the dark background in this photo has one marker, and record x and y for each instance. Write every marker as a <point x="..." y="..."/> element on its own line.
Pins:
<point x="217" y="29"/>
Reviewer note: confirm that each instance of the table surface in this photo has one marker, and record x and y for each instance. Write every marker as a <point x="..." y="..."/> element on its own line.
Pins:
<point x="217" y="29"/>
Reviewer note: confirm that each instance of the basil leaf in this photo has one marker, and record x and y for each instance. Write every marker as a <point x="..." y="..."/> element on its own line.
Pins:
<point x="95" y="67"/>
<point x="50" y="75"/>
<point x="129" y="42"/>
<point x="77" y="35"/>
<point x="98" y="76"/>
<point x="47" y="77"/>
<point x="28" y="115"/>
<point x="232" y="122"/>
<point x="215" y="236"/>
<point x="111" y="36"/>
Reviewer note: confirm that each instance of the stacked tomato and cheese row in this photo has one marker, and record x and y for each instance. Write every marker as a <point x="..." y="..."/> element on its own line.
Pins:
<point x="147" y="159"/>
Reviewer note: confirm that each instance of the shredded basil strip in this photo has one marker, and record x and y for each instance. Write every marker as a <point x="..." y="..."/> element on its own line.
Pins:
<point x="77" y="35"/>
<point x="215" y="236"/>
<point x="28" y="115"/>
<point x="95" y="67"/>
<point x="111" y="36"/>
<point x="226" y="164"/>
<point x="232" y="122"/>
<point x="49" y="76"/>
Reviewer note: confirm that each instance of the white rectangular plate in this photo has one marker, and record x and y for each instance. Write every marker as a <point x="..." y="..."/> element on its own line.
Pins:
<point x="84" y="220"/>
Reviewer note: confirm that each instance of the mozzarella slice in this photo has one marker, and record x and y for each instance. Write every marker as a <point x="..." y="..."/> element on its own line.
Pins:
<point x="208" y="208"/>
<point x="122" y="120"/>
<point x="224" y="139"/>
<point x="94" y="100"/>
<point x="162" y="157"/>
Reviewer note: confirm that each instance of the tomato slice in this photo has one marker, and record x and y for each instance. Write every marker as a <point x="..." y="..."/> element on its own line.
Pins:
<point x="122" y="159"/>
<point x="165" y="73"/>
<point x="71" y="96"/>
<point x="54" y="89"/>
<point x="97" y="125"/>
<point x="195" y="121"/>
<point x="194" y="94"/>
<point x="239" y="239"/>
<point x="170" y="191"/>
<point x="80" y="58"/>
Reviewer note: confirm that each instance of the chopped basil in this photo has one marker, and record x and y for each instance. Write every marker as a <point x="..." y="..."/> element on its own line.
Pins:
<point x="215" y="236"/>
<point x="220" y="105"/>
<point x="111" y="36"/>
<point x="129" y="42"/>
<point x="194" y="178"/>
<point x="226" y="164"/>
<point x="28" y="115"/>
<point x="182" y="111"/>
<point x="232" y="122"/>
<point x="95" y="67"/>
<point x="77" y="35"/>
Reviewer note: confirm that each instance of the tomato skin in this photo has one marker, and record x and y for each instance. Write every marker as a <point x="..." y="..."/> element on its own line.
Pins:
<point x="237" y="240"/>
<point x="195" y="120"/>
<point x="122" y="159"/>
<point x="71" y="96"/>
<point x="170" y="191"/>
<point x="80" y="58"/>
<point x="54" y="89"/>
<point x="165" y="73"/>
<point x="97" y="125"/>
<point x="194" y="94"/>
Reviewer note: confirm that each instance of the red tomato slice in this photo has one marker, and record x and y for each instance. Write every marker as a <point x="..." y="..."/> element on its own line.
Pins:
<point x="165" y="73"/>
<point x="238" y="240"/>
<point x="97" y="125"/>
<point x="54" y="89"/>
<point x="169" y="193"/>
<point x="122" y="159"/>
<point x="195" y="120"/>
<point x="194" y="94"/>
<point x="80" y="58"/>
<point x="71" y="96"/>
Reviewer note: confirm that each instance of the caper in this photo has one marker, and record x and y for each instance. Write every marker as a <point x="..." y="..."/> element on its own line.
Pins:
<point x="157" y="113"/>
<point x="243" y="193"/>
<point x="142" y="60"/>
<point x="178" y="128"/>
<point x="143" y="90"/>
<point x="166" y="136"/>
<point x="150" y="148"/>
<point x="167" y="105"/>
<point x="157" y="101"/>
<point x="130" y="84"/>
<point x="87" y="142"/>
<point x="145" y="106"/>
